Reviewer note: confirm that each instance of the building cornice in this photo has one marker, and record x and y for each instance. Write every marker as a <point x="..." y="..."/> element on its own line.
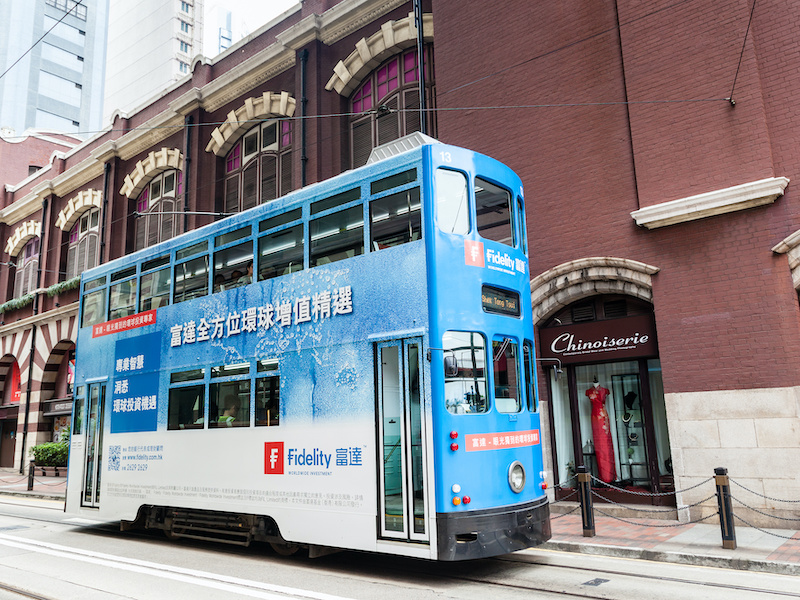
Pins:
<point x="718" y="202"/>
<point x="351" y="15"/>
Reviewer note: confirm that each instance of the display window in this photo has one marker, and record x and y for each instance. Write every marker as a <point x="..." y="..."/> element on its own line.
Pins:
<point x="608" y="415"/>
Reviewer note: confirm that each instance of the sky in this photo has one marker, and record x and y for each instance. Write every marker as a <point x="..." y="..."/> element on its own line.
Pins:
<point x="249" y="15"/>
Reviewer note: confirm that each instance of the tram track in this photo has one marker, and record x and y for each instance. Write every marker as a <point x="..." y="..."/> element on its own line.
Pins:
<point x="580" y="580"/>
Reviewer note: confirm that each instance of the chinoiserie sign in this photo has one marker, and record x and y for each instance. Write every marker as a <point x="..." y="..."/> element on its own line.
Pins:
<point x="614" y="339"/>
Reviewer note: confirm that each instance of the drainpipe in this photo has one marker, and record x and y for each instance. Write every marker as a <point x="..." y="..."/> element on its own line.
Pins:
<point x="420" y="66"/>
<point x="32" y="354"/>
<point x="104" y="212"/>
<point x="188" y="121"/>
<point x="303" y="103"/>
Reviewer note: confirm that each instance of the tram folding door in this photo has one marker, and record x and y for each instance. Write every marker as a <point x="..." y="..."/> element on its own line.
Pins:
<point x="93" y="459"/>
<point x="401" y="427"/>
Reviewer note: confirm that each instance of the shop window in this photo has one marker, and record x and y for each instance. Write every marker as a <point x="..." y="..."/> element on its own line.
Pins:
<point x="394" y="87"/>
<point x="259" y="166"/>
<point x="156" y="209"/>
<point x="84" y="241"/>
<point x="11" y="386"/>
<point x="465" y="372"/>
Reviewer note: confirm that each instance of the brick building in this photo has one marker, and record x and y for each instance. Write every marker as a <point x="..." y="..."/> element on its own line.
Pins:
<point x="656" y="140"/>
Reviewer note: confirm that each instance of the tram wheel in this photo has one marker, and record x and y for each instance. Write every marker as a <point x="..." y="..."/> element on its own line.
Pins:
<point x="285" y="548"/>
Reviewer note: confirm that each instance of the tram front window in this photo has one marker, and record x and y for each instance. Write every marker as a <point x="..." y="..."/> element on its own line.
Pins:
<point x="465" y="375"/>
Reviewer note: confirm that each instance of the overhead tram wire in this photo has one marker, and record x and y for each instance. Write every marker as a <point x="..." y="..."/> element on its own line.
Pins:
<point x="24" y="54"/>
<point x="741" y="54"/>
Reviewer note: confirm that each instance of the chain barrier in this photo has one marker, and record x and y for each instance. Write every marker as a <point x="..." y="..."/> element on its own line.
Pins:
<point x="778" y="535"/>
<point x="564" y="485"/>
<point x="652" y="510"/>
<point x="762" y="495"/>
<point x="565" y="498"/>
<point x="763" y="513"/>
<point x="6" y="482"/>
<point x="40" y="482"/>
<point x="569" y="512"/>
<point x="665" y="526"/>
<point x="649" y="494"/>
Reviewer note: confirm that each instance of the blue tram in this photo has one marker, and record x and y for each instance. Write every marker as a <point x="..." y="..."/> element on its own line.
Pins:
<point x="349" y="366"/>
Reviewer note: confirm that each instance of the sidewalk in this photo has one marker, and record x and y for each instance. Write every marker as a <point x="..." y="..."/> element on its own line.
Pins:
<point x="50" y="488"/>
<point x="767" y="550"/>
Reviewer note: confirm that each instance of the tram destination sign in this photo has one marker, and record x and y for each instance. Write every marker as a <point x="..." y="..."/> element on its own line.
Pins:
<point x="614" y="339"/>
<point x="499" y="301"/>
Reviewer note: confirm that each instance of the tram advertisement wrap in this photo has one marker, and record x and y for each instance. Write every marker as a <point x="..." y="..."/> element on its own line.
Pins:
<point x="322" y="470"/>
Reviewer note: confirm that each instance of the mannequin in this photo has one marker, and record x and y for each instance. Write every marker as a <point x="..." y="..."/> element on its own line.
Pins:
<point x="601" y="430"/>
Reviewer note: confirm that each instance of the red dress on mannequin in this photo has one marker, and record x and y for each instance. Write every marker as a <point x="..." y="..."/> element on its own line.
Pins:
<point x="601" y="430"/>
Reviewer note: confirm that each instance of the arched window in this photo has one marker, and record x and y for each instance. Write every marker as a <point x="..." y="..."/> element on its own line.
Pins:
<point x="11" y="391"/>
<point x="84" y="239"/>
<point x="394" y="85"/>
<point x="27" y="265"/>
<point x="259" y="166"/>
<point x="156" y="209"/>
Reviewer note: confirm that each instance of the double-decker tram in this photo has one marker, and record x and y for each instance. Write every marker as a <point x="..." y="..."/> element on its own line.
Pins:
<point x="349" y="366"/>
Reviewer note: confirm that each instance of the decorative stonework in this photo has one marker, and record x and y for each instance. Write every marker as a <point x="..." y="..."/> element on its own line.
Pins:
<point x="571" y="281"/>
<point x="351" y="15"/>
<point x="791" y="247"/>
<point x="719" y="202"/>
<point x="268" y="105"/>
<point x="76" y="206"/>
<point x="26" y="231"/>
<point x="370" y="53"/>
<point x="145" y="170"/>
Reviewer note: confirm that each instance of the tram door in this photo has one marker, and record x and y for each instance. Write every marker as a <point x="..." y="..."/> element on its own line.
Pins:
<point x="401" y="423"/>
<point x="93" y="461"/>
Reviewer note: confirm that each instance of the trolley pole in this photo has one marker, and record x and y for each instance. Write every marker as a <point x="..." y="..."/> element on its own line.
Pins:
<point x="725" y="508"/>
<point x="585" y="493"/>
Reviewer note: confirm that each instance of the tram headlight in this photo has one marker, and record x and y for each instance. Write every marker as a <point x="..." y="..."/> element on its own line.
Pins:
<point x="516" y="476"/>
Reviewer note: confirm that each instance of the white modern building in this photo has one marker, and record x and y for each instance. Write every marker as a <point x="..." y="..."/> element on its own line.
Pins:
<point x="52" y="64"/>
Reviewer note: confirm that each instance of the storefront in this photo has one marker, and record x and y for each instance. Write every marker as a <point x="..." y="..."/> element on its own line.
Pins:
<point x="607" y="398"/>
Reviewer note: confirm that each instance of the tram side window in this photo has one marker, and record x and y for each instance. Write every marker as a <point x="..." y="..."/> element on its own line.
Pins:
<point x="233" y="267"/>
<point x="528" y="362"/>
<point x="154" y="292"/>
<point x="395" y="219"/>
<point x="268" y="393"/>
<point x="465" y="372"/>
<point x="191" y="279"/>
<point x="505" y="353"/>
<point x="280" y="253"/>
<point x="495" y="211"/>
<point x="229" y="400"/>
<point x="122" y="300"/>
<point x="337" y="236"/>
<point x="452" y="205"/>
<point x="93" y="308"/>
<point x="187" y="401"/>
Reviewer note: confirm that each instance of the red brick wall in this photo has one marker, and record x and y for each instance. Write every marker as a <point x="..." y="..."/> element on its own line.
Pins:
<point x="726" y="311"/>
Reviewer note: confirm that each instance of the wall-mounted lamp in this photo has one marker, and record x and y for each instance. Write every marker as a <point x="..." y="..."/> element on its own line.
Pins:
<point x="557" y="371"/>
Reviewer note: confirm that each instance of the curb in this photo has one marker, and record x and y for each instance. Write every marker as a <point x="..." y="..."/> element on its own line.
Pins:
<point x="741" y="564"/>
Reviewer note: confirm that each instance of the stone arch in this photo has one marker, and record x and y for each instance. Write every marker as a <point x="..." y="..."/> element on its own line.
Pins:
<point x="21" y="235"/>
<point x="240" y="121"/>
<point x="51" y="369"/>
<point x="76" y="206"/>
<point x="571" y="281"/>
<point x="393" y="37"/>
<point x="6" y="364"/>
<point x="146" y="169"/>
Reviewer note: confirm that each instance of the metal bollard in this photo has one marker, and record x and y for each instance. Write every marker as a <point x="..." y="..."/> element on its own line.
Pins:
<point x="726" y="523"/>
<point x="585" y="493"/>
<point x="31" y="469"/>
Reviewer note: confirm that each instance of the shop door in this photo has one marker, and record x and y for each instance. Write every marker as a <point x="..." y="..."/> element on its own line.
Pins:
<point x="401" y="426"/>
<point x="7" y="442"/>
<point x="93" y="459"/>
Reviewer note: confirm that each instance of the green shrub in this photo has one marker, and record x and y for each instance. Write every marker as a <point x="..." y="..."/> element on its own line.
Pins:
<point x="51" y="454"/>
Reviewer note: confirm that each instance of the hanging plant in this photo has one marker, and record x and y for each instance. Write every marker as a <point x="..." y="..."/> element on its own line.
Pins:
<point x="16" y="303"/>
<point x="58" y="288"/>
